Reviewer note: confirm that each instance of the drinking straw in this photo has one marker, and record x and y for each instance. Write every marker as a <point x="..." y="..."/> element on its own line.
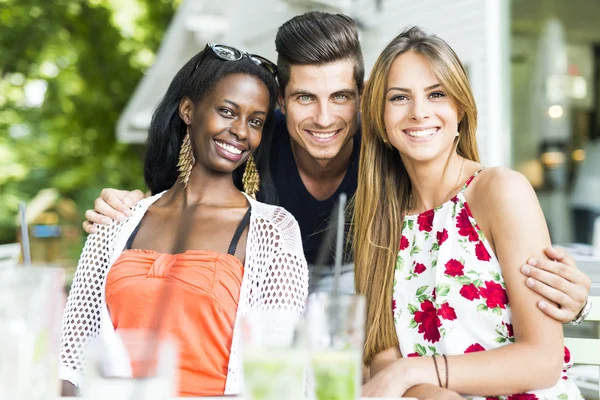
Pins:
<point x="341" y="221"/>
<point x="24" y="234"/>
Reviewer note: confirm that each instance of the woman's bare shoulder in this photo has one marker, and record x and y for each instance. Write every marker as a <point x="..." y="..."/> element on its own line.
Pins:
<point x="495" y="184"/>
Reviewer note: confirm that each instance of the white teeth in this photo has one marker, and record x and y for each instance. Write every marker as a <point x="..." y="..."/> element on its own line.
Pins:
<point x="423" y="133"/>
<point x="323" y="135"/>
<point x="229" y="148"/>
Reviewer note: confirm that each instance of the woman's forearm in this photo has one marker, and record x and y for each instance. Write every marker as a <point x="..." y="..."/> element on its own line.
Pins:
<point x="515" y="368"/>
<point x="426" y="391"/>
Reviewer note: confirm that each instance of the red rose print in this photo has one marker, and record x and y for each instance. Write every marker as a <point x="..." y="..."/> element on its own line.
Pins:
<point x="454" y="268"/>
<point x="463" y="223"/>
<point x="509" y="329"/>
<point x="425" y="220"/>
<point x="523" y="396"/>
<point x="447" y="312"/>
<point x="494" y="294"/>
<point x="419" y="268"/>
<point x="428" y="322"/>
<point x="567" y="355"/>
<point x="403" y="243"/>
<point x="442" y="236"/>
<point x="474" y="348"/>
<point x="413" y="355"/>
<point x="469" y="292"/>
<point x="393" y="306"/>
<point x="433" y="295"/>
<point x="481" y="252"/>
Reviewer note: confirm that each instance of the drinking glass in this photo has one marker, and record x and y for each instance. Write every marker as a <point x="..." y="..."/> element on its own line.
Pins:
<point x="336" y="337"/>
<point x="31" y="303"/>
<point x="274" y="356"/>
<point x="134" y="365"/>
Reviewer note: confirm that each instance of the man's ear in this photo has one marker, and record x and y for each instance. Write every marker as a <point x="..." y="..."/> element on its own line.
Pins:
<point x="281" y="102"/>
<point x="186" y="108"/>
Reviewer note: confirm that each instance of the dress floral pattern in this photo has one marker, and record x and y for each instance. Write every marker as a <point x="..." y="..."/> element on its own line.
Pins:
<point x="449" y="294"/>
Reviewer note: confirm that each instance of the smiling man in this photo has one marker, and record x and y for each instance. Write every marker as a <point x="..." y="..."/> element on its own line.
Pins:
<point x="313" y="156"/>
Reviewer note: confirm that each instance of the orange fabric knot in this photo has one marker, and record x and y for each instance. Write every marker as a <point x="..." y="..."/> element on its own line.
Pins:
<point x="162" y="266"/>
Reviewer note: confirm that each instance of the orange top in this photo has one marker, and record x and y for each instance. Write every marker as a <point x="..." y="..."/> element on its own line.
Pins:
<point x="203" y="291"/>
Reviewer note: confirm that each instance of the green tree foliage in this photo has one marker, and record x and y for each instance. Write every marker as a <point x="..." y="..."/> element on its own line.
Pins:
<point x="90" y="55"/>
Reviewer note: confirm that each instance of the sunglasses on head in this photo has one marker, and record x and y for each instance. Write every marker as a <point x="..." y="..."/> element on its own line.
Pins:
<point x="229" y="53"/>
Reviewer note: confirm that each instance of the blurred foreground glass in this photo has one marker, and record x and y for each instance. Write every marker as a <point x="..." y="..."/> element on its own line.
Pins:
<point x="274" y="356"/>
<point x="32" y="300"/>
<point x="336" y="339"/>
<point x="134" y="364"/>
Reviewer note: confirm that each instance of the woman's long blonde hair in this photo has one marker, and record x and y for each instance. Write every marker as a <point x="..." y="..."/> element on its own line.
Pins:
<point x="382" y="196"/>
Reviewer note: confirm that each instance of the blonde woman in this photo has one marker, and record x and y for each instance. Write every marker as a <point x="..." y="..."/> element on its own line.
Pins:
<point x="440" y="240"/>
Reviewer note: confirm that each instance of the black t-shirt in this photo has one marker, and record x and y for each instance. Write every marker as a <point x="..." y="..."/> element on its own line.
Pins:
<point x="313" y="216"/>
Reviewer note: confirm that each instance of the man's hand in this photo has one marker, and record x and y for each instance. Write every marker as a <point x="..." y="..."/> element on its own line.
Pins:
<point x="560" y="282"/>
<point x="113" y="204"/>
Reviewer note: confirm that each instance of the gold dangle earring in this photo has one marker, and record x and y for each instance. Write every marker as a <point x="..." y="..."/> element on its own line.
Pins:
<point x="186" y="159"/>
<point x="250" y="179"/>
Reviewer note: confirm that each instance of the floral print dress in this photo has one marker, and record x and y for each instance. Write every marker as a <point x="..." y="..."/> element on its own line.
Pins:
<point x="449" y="294"/>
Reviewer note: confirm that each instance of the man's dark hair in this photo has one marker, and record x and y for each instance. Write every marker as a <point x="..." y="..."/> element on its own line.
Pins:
<point x="167" y="129"/>
<point x="315" y="38"/>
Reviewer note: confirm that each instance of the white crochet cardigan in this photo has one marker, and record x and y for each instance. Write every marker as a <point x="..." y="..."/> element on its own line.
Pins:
<point x="275" y="278"/>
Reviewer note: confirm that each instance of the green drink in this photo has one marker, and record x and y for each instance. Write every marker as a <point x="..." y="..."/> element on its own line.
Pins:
<point x="269" y="375"/>
<point x="336" y="337"/>
<point x="336" y="374"/>
<point x="274" y="355"/>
